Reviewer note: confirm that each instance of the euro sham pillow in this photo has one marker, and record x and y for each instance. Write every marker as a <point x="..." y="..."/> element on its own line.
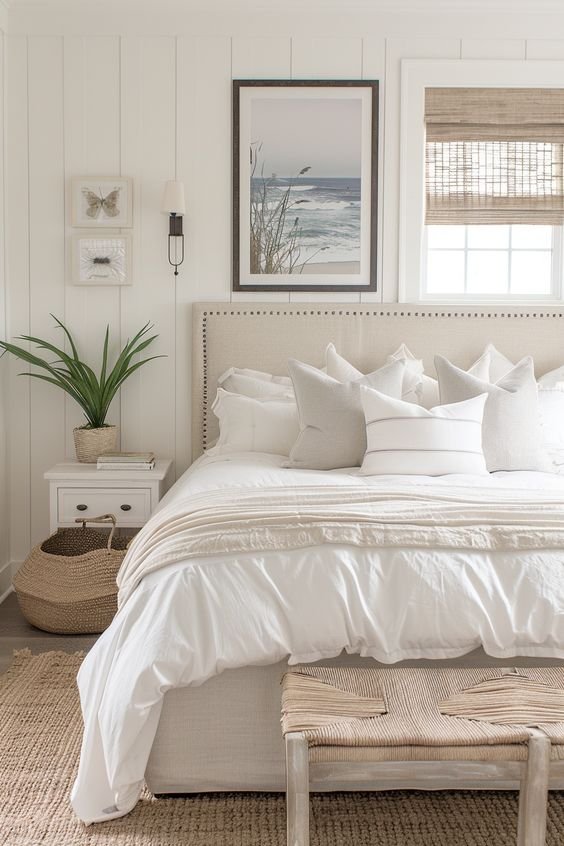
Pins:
<point x="255" y="383"/>
<point x="248" y="424"/>
<point x="342" y="370"/>
<point x="428" y="391"/>
<point x="403" y="438"/>
<point x="332" y="429"/>
<point x="511" y="431"/>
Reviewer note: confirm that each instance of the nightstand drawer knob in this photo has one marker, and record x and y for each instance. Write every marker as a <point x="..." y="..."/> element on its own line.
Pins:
<point x="81" y="507"/>
<point x="126" y="507"/>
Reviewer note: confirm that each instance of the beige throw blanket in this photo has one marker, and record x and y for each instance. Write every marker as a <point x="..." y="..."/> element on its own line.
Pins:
<point x="238" y="521"/>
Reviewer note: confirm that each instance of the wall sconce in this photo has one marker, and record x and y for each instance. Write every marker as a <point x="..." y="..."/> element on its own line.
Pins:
<point x="174" y="205"/>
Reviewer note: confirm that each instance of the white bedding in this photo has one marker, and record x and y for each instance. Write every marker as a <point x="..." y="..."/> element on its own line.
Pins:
<point x="190" y="619"/>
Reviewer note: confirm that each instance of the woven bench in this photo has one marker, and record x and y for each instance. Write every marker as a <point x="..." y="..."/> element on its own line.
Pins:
<point x="423" y="728"/>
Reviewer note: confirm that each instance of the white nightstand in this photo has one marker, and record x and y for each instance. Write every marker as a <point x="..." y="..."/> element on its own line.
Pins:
<point x="80" y="490"/>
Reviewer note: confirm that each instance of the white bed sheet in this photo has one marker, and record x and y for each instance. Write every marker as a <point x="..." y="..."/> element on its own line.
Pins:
<point x="191" y="620"/>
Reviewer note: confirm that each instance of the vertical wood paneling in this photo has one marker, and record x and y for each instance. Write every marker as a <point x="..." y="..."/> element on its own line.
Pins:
<point x="17" y="274"/>
<point x="92" y="148"/>
<point x="261" y="58"/>
<point x="154" y="108"/>
<point x="396" y="50"/>
<point x="326" y="58"/>
<point x="46" y="258"/>
<point x="149" y="144"/>
<point x="204" y="165"/>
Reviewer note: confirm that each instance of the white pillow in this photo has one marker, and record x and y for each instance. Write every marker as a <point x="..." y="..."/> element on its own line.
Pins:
<point x="553" y="379"/>
<point x="551" y="402"/>
<point x="428" y="392"/>
<point x="500" y="365"/>
<point x="254" y="383"/>
<point x="408" y="439"/>
<point x="511" y="430"/>
<point x="247" y="424"/>
<point x="332" y="430"/>
<point x="343" y="371"/>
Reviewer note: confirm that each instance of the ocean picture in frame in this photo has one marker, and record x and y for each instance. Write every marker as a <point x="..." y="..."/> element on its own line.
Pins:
<point x="304" y="185"/>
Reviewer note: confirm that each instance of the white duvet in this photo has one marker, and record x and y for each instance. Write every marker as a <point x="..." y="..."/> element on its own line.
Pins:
<point x="193" y="618"/>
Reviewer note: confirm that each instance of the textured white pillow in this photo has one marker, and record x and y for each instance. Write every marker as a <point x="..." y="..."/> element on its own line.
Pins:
<point x="408" y="439"/>
<point x="551" y="402"/>
<point x="332" y="431"/>
<point x="254" y="383"/>
<point x="511" y="430"/>
<point x="428" y="391"/>
<point x="247" y="424"/>
<point x="343" y="371"/>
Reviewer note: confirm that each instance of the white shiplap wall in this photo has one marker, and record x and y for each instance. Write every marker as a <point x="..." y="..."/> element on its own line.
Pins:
<point x="150" y="107"/>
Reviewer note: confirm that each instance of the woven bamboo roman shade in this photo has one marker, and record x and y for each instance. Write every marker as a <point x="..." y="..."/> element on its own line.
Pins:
<point x="494" y="155"/>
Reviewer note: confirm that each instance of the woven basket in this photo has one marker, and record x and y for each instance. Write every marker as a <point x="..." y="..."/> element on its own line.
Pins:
<point x="67" y="585"/>
<point x="90" y="443"/>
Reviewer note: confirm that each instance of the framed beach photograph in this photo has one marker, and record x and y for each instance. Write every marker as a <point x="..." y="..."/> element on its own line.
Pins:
<point x="101" y="258"/>
<point x="102" y="201"/>
<point x="305" y="177"/>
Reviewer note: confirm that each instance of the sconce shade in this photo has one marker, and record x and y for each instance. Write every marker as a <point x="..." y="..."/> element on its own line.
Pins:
<point x="173" y="198"/>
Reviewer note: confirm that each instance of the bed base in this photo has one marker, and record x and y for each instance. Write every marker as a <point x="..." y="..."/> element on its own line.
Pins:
<point x="225" y="736"/>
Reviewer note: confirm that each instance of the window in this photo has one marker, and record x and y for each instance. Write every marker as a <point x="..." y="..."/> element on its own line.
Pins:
<point x="514" y="261"/>
<point x="482" y="182"/>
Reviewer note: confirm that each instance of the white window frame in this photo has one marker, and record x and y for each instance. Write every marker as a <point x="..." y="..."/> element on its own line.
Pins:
<point x="556" y="271"/>
<point x="416" y="76"/>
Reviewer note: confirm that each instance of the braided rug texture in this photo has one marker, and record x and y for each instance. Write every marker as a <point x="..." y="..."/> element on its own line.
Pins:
<point x="40" y="734"/>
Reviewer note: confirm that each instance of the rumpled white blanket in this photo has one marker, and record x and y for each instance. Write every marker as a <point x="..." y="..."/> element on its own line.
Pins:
<point x="288" y="569"/>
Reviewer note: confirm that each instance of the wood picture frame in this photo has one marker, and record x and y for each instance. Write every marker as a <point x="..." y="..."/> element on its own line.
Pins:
<point x="301" y="225"/>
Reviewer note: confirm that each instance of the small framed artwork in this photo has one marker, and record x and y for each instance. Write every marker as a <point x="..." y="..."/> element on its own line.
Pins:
<point x="102" y="201"/>
<point x="101" y="258"/>
<point x="305" y="185"/>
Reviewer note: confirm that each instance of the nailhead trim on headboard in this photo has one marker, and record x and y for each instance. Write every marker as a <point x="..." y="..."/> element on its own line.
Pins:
<point x="345" y="312"/>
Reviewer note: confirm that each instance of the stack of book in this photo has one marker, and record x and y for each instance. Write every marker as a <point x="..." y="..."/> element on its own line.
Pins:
<point x="126" y="461"/>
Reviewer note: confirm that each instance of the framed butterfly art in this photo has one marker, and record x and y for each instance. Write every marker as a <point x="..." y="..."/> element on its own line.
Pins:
<point x="102" y="201"/>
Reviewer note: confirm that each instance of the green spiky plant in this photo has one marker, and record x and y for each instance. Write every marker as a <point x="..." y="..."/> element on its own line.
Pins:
<point x="67" y="371"/>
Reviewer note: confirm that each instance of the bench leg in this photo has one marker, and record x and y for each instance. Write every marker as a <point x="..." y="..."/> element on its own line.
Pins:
<point x="297" y="790"/>
<point x="533" y="794"/>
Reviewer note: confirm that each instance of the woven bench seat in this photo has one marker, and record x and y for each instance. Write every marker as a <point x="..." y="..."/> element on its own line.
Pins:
<point x="412" y="725"/>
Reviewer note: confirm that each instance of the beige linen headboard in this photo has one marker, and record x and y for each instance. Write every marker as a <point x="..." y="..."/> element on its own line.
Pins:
<point x="264" y="335"/>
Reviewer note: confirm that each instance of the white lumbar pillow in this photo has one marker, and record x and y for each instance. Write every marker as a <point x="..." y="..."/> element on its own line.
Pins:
<point x="342" y="370"/>
<point x="332" y="431"/>
<point x="428" y="394"/>
<point x="511" y="431"/>
<point x="248" y="424"/>
<point x="409" y="439"/>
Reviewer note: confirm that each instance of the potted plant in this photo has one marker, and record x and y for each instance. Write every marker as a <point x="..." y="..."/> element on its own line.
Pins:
<point x="93" y="393"/>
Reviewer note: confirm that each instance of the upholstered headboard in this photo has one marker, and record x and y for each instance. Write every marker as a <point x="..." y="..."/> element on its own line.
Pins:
<point x="264" y="335"/>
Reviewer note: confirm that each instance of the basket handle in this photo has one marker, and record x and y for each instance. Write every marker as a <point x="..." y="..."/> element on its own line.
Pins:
<point x="104" y="518"/>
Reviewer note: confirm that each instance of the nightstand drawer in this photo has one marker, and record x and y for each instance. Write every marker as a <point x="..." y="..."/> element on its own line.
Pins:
<point x="131" y="506"/>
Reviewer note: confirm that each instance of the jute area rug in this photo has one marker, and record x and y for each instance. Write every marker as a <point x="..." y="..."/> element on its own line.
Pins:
<point x="40" y="732"/>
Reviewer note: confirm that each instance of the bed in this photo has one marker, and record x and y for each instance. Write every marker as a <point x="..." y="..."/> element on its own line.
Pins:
<point x="222" y="732"/>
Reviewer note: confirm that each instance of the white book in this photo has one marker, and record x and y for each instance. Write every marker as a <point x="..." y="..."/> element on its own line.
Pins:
<point x="143" y="465"/>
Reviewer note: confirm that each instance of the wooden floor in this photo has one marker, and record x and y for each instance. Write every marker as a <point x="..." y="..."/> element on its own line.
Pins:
<point x="16" y="633"/>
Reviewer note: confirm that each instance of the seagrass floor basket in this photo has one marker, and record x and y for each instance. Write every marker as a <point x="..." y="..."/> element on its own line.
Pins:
<point x="67" y="584"/>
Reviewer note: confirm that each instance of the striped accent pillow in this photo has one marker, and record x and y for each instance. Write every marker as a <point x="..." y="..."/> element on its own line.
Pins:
<point x="408" y="439"/>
